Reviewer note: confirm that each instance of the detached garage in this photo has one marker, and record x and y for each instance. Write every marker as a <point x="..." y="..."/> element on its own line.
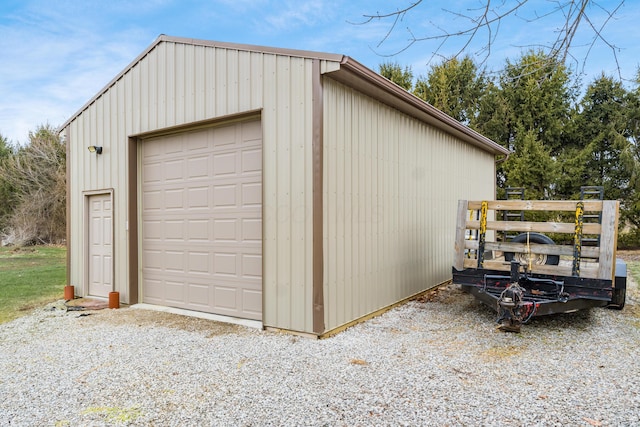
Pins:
<point x="297" y="189"/>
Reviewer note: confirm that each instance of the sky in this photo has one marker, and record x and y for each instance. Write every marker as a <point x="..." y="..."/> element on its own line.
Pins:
<point x="57" y="54"/>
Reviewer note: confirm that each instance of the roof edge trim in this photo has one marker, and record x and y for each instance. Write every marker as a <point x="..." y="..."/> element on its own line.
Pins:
<point x="393" y="89"/>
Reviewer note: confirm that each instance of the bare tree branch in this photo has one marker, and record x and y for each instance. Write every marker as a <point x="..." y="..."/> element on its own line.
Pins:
<point x="598" y="36"/>
<point x="488" y="20"/>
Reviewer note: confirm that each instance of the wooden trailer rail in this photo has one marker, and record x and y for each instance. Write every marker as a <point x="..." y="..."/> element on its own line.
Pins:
<point x="471" y="253"/>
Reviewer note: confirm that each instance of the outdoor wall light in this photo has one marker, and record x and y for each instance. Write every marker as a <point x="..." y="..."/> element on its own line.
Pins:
<point x="95" y="149"/>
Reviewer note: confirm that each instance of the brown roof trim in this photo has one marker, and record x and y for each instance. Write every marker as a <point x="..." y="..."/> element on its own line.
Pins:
<point x="254" y="48"/>
<point x="357" y="76"/>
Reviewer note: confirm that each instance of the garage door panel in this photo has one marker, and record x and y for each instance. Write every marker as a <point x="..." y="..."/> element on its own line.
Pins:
<point x="173" y="145"/>
<point x="251" y="230"/>
<point x="174" y="198"/>
<point x="226" y="297"/>
<point x="251" y="266"/>
<point x="154" y="290"/>
<point x="224" y="136"/>
<point x="198" y="198"/>
<point x="225" y="264"/>
<point x="224" y="196"/>
<point x="198" y="230"/>
<point x="202" y="220"/>
<point x="152" y="200"/>
<point x="224" y="164"/>
<point x="199" y="295"/>
<point x="174" y="171"/>
<point x="152" y="230"/>
<point x="251" y="161"/>
<point x="225" y="230"/>
<point x="251" y="132"/>
<point x="197" y="141"/>
<point x="175" y="292"/>
<point x="251" y="194"/>
<point x="174" y="230"/>
<point x="174" y="261"/>
<point x="152" y="260"/>
<point x="252" y="301"/>
<point x="199" y="263"/>
<point x="153" y="152"/>
<point x="198" y="167"/>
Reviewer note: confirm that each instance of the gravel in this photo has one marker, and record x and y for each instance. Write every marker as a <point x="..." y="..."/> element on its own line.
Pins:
<point x="436" y="361"/>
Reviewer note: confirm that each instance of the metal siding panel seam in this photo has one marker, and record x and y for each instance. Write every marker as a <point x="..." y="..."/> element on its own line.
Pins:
<point x="244" y="81"/>
<point x="298" y="135"/>
<point x="210" y="82"/>
<point x="221" y="83"/>
<point x="233" y="86"/>
<point x="275" y="301"/>
<point x="283" y="185"/>
<point x="170" y="86"/>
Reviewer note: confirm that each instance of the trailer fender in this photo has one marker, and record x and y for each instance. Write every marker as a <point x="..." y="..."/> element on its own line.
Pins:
<point x="619" y="293"/>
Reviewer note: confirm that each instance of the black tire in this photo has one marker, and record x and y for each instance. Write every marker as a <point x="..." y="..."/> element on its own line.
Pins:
<point x="619" y="294"/>
<point x="537" y="238"/>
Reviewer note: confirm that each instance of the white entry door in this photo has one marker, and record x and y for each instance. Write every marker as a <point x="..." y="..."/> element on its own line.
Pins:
<point x="100" y="245"/>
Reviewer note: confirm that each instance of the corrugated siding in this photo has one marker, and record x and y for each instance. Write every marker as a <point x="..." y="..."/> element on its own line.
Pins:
<point x="176" y="84"/>
<point x="391" y="186"/>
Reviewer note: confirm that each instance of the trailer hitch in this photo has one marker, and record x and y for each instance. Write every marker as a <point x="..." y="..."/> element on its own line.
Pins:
<point x="512" y="311"/>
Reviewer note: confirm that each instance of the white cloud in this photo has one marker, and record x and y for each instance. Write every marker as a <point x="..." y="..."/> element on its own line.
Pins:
<point x="54" y="65"/>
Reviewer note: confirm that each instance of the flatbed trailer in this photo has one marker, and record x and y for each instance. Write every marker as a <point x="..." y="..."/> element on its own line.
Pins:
<point x="531" y="275"/>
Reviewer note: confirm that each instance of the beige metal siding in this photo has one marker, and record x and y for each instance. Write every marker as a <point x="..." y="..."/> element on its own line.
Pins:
<point x="390" y="182"/>
<point x="391" y="185"/>
<point x="176" y="84"/>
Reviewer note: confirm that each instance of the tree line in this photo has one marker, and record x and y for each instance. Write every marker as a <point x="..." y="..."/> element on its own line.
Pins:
<point x="561" y="138"/>
<point x="33" y="189"/>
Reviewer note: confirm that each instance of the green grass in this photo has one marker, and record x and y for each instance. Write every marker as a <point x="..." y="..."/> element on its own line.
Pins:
<point x="30" y="277"/>
<point x="633" y="268"/>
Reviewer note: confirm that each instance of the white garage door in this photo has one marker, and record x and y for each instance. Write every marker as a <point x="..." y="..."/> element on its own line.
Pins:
<point x="202" y="220"/>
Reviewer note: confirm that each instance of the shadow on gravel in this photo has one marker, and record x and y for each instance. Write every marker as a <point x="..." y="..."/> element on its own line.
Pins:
<point x="467" y="305"/>
<point x="148" y="318"/>
<point x="580" y="320"/>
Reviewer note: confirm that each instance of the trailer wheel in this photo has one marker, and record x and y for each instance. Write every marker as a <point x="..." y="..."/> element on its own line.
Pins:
<point x="619" y="294"/>
<point x="536" y="259"/>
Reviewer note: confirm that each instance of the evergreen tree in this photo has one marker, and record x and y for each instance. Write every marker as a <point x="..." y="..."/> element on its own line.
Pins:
<point x="531" y="103"/>
<point x="539" y="94"/>
<point x="632" y="204"/>
<point x="603" y="129"/>
<point x="533" y="168"/>
<point x="455" y="87"/>
<point x="394" y="72"/>
<point x="604" y="126"/>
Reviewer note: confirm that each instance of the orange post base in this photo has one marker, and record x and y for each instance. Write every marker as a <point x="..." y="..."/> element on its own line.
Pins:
<point x="69" y="293"/>
<point x="114" y="299"/>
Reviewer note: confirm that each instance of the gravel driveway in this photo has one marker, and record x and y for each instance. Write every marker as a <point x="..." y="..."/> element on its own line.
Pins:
<point x="438" y="361"/>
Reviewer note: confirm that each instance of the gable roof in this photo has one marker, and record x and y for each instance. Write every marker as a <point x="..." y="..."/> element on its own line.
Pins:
<point x="350" y="73"/>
